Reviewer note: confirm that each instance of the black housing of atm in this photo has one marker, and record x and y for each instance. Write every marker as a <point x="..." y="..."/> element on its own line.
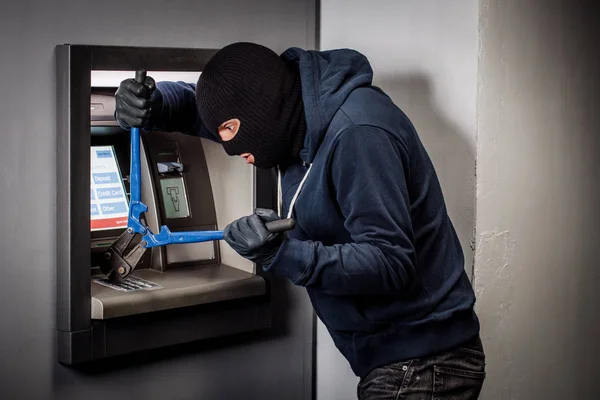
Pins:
<point x="80" y="338"/>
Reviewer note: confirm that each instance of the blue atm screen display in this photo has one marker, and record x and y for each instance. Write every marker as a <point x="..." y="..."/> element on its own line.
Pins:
<point x="109" y="205"/>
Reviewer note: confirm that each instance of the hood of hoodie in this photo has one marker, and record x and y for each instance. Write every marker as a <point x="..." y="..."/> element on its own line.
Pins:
<point x="328" y="77"/>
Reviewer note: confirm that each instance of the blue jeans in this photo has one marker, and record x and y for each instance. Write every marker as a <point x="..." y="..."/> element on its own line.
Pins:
<point x="454" y="375"/>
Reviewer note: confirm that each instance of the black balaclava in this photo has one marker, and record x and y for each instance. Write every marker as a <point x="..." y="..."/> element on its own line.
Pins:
<point x="252" y="83"/>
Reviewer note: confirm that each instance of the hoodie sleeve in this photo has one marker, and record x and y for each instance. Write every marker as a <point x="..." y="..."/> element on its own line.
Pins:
<point x="174" y="110"/>
<point x="368" y="176"/>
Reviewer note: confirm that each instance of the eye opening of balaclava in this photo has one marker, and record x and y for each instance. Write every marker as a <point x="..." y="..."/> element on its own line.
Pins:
<point x="252" y="83"/>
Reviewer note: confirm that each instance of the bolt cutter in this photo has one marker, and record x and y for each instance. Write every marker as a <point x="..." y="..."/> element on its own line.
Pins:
<point x="119" y="260"/>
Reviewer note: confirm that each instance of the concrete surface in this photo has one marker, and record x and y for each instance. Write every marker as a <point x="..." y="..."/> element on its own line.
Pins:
<point x="538" y="191"/>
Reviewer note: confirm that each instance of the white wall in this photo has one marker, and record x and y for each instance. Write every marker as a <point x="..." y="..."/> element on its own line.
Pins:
<point x="538" y="191"/>
<point x="29" y="31"/>
<point x="424" y="55"/>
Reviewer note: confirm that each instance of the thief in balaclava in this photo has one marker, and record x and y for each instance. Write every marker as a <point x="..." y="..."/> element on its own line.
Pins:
<point x="252" y="84"/>
<point x="373" y="243"/>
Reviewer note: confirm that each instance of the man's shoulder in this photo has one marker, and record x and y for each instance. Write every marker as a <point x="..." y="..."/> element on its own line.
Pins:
<point x="370" y="106"/>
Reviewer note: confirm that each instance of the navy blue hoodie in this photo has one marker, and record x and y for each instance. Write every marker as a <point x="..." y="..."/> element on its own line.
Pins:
<point x="373" y="244"/>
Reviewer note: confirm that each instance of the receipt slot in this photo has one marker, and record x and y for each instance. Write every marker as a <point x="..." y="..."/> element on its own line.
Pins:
<point x="177" y="293"/>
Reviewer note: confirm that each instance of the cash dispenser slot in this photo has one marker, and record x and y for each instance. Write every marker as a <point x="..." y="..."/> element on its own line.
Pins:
<point x="177" y="293"/>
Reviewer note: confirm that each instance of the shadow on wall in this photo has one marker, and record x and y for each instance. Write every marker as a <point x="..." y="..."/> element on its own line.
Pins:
<point x="451" y="153"/>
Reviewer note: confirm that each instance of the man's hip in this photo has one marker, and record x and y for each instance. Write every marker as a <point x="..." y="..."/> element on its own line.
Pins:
<point x="454" y="375"/>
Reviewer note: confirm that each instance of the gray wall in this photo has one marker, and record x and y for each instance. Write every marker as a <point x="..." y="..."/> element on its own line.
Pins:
<point x="29" y="30"/>
<point x="538" y="185"/>
<point x="424" y="55"/>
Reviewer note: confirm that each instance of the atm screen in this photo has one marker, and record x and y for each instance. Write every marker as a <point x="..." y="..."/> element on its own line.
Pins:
<point x="109" y="205"/>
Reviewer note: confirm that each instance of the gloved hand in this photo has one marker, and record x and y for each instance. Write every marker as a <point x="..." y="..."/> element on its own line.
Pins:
<point x="133" y="105"/>
<point x="249" y="237"/>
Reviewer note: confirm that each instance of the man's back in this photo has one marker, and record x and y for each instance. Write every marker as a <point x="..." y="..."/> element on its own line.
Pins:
<point x="372" y="181"/>
<point x="439" y="259"/>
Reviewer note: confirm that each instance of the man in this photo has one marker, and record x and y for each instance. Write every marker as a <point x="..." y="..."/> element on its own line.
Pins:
<point x="373" y="244"/>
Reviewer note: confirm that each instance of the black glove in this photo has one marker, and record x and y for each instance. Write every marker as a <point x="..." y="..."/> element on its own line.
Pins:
<point x="249" y="237"/>
<point x="133" y="105"/>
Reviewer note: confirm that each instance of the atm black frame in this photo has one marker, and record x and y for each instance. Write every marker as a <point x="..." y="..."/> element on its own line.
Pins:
<point x="81" y="339"/>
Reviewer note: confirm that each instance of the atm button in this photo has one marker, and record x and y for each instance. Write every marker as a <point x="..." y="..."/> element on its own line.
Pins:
<point x="110" y="193"/>
<point x="109" y="177"/>
<point x="113" y="208"/>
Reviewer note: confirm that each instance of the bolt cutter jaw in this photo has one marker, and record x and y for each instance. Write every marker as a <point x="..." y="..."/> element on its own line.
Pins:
<point x="120" y="259"/>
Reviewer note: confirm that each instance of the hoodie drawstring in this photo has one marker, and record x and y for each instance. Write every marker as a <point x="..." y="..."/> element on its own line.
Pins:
<point x="280" y="193"/>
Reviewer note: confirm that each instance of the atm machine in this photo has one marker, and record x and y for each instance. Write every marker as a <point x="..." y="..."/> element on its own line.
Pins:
<point x="177" y="293"/>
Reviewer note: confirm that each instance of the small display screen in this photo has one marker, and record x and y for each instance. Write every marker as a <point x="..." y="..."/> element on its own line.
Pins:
<point x="109" y="205"/>
<point x="174" y="198"/>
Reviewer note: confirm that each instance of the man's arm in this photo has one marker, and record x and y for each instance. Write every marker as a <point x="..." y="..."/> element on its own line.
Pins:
<point x="368" y="174"/>
<point x="174" y="110"/>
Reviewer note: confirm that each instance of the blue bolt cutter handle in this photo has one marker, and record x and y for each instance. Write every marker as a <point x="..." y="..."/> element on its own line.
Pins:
<point x="120" y="265"/>
<point x="136" y="207"/>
